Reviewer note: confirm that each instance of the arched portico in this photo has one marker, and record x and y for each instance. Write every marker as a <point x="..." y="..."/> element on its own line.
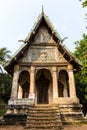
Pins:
<point x="43" y="83"/>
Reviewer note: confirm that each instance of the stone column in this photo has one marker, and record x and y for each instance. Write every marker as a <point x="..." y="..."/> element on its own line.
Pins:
<point x="72" y="89"/>
<point x="15" y="83"/>
<point x="32" y="80"/>
<point x="55" y="84"/>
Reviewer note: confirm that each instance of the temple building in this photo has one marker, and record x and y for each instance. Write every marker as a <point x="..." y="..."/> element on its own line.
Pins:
<point x="43" y="72"/>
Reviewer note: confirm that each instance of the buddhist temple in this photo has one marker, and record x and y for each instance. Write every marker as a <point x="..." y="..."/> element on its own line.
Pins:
<point x="43" y="79"/>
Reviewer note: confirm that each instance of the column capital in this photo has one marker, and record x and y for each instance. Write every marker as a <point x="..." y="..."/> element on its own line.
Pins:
<point x="54" y="69"/>
<point x="32" y="69"/>
<point x="70" y="67"/>
<point x="16" y="68"/>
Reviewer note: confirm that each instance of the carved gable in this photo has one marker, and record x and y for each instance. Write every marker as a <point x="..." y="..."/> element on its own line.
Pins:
<point x="43" y="48"/>
<point x="43" y="54"/>
<point x="42" y="35"/>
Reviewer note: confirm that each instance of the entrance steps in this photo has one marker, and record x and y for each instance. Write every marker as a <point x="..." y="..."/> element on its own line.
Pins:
<point x="39" y="117"/>
<point x="42" y="117"/>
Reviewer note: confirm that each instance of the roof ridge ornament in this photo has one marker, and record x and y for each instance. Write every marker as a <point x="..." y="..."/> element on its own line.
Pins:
<point x="42" y="10"/>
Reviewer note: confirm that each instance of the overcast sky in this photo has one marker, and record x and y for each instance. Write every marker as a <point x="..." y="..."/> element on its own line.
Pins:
<point x="18" y="16"/>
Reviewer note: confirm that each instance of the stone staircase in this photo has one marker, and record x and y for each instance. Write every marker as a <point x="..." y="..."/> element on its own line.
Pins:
<point x="42" y="117"/>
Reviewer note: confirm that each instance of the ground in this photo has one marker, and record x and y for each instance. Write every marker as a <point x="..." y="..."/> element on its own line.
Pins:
<point x="72" y="127"/>
<point x="76" y="127"/>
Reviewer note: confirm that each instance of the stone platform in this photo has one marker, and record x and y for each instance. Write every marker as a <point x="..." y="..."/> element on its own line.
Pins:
<point x="43" y="116"/>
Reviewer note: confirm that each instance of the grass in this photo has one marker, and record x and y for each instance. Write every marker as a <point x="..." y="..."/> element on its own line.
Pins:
<point x="2" y="111"/>
<point x="2" y="107"/>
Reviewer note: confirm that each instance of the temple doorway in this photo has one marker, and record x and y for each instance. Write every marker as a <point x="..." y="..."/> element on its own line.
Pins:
<point x="42" y="86"/>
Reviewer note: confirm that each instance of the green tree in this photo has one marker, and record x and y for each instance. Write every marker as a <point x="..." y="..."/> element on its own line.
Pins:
<point x="81" y="76"/>
<point x="84" y="3"/>
<point x="4" y="55"/>
<point x="5" y="86"/>
<point x="5" y="79"/>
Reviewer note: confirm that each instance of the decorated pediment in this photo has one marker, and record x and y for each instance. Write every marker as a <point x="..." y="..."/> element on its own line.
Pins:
<point x="43" y="54"/>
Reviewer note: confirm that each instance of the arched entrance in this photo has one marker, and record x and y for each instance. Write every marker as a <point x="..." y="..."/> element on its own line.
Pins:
<point x="24" y="84"/>
<point x="43" y="82"/>
<point x="63" y="87"/>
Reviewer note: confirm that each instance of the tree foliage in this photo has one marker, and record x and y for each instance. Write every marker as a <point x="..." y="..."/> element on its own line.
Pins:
<point x="84" y="3"/>
<point x="5" y="79"/>
<point x="4" y="55"/>
<point x="81" y="76"/>
<point x="5" y="86"/>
